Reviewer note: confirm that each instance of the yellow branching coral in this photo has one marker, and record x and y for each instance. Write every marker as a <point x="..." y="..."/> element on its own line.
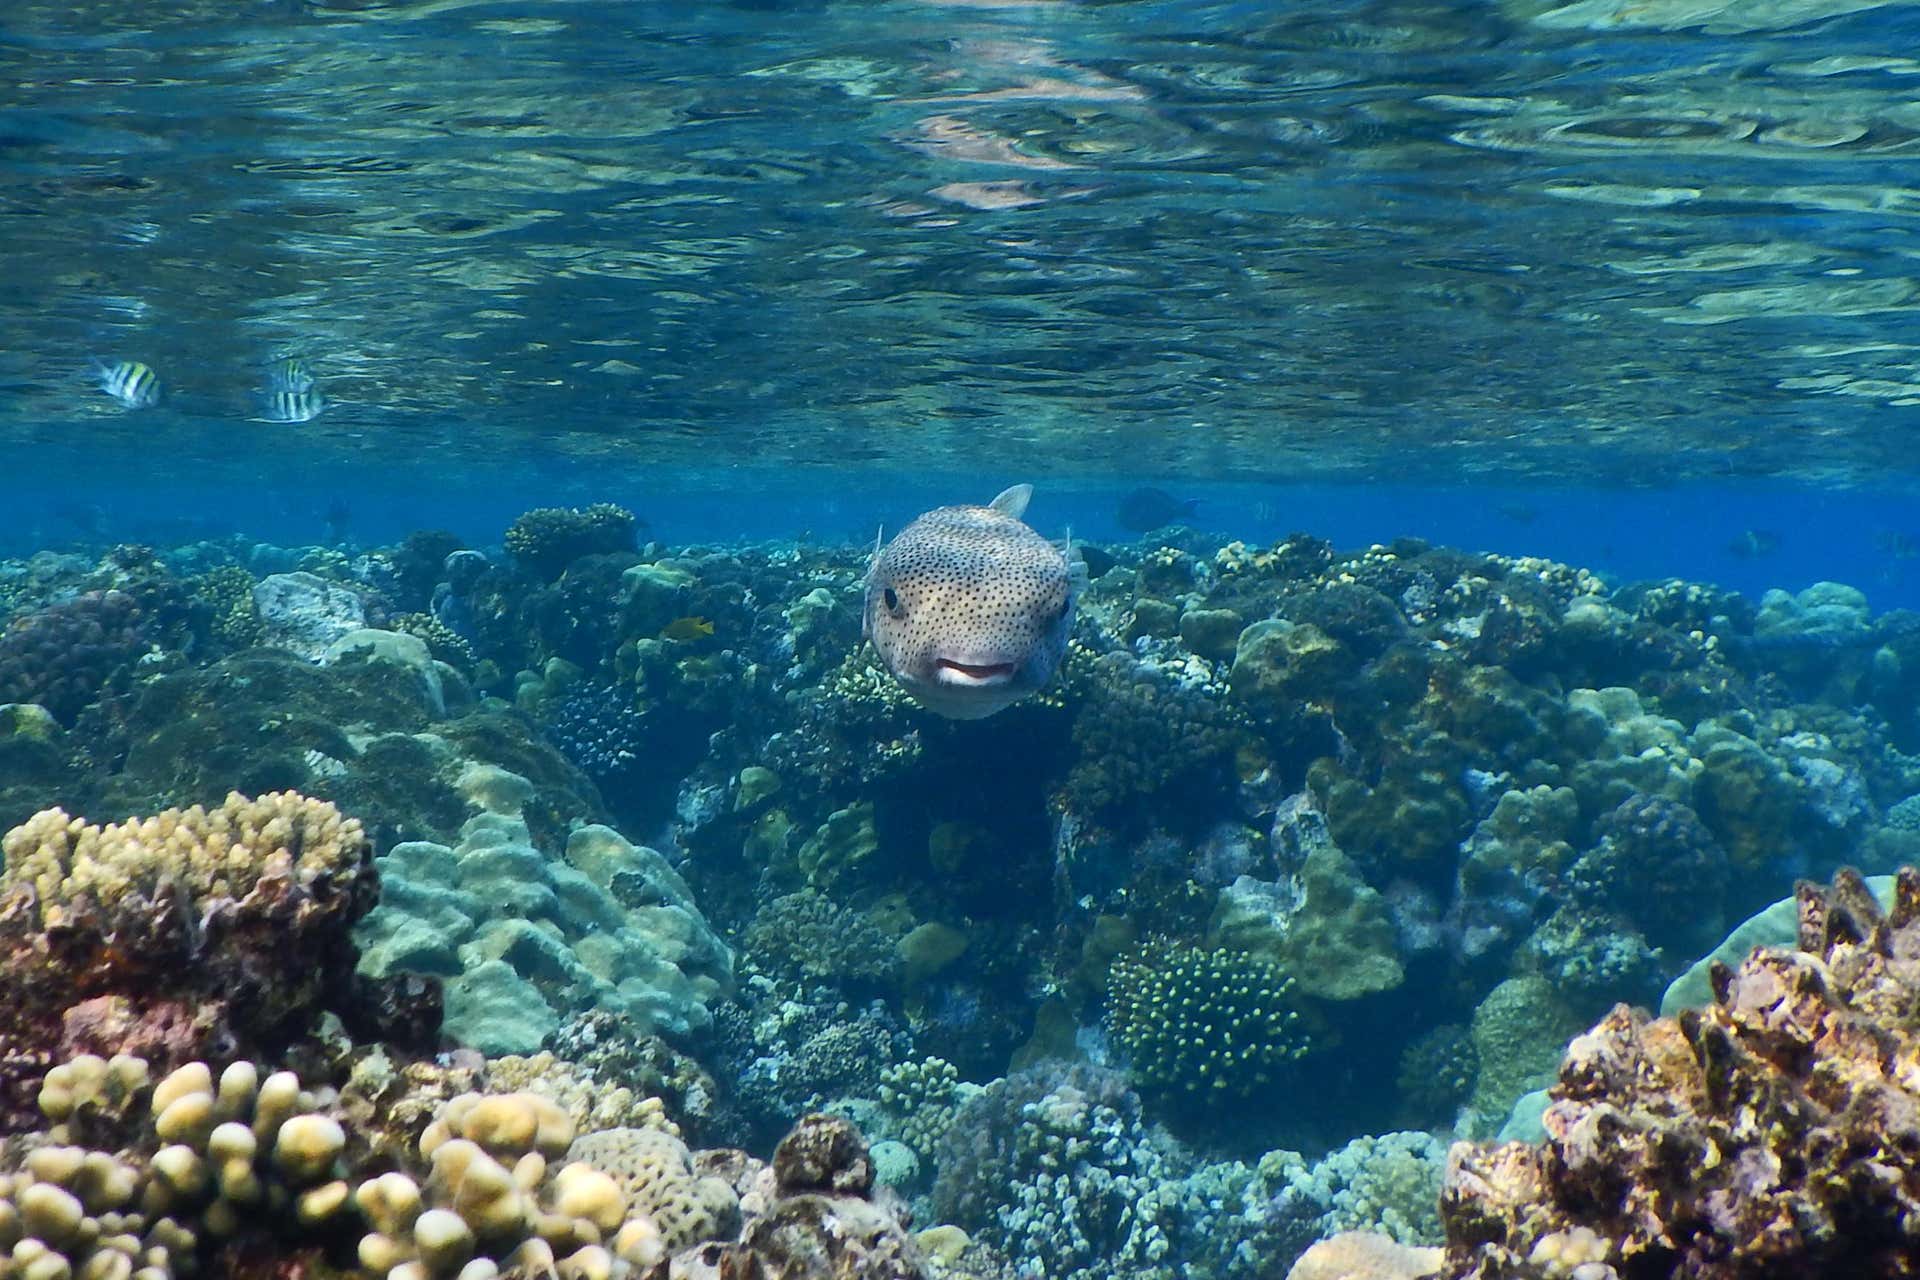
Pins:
<point x="200" y="853"/>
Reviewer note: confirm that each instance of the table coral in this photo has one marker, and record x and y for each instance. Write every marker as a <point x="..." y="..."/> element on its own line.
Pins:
<point x="1772" y="1133"/>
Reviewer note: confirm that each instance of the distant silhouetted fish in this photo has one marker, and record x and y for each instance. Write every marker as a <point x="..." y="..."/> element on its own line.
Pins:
<point x="339" y="518"/>
<point x="1096" y="560"/>
<point x="1146" y="509"/>
<point x="1754" y="543"/>
<point x="1519" y="512"/>
<point x="1897" y="545"/>
<point x="87" y="518"/>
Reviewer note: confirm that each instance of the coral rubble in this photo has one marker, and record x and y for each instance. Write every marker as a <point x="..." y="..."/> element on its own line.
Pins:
<point x="1774" y="1132"/>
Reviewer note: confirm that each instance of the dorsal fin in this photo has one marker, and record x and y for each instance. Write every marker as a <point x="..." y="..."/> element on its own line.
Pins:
<point x="1077" y="571"/>
<point x="1013" y="501"/>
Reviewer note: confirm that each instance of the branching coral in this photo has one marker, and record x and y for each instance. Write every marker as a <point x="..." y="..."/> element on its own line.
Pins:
<point x="228" y="593"/>
<point x="808" y="935"/>
<point x="1061" y="1170"/>
<point x="172" y="934"/>
<point x="1204" y="1023"/>
<point x="597" y="727"/>
<point x="1142" y="732"/>
<point x="922" y="1100"/>
<point x="546" y="540"/>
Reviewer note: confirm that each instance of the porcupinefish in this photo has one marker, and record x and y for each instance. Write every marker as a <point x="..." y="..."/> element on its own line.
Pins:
<point x="969" y="608"/>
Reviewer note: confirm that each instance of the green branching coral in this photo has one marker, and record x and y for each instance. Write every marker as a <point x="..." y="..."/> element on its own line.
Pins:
<point x="922" y="1100"/>
<point x="1203" y="1022"/>
<point x="228" y="592"/>
<point x="442" y="641"/>
<point x="546" y="540"/>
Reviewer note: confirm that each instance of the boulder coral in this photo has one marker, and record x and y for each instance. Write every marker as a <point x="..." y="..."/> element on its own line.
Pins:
<point x="62" y="656"/>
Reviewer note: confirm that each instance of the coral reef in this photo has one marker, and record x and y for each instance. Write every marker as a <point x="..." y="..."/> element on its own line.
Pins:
<point x="1769" y="1133"/>
<point x="1425" y="812"/>
<point x="1205" y="1023"/>
<point x="546" y="540"/>
<point x="172" y="935"/>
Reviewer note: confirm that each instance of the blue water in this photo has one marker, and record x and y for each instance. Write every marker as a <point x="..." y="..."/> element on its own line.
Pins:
<point x="1212" y="241"/>
<point x="1698" y="530"/>
<point x="1626" y="285"/>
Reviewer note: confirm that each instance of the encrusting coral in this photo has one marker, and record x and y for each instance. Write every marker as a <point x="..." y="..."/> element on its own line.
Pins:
<point x="187" y="932"/>
<point x="1772" y="1133"/>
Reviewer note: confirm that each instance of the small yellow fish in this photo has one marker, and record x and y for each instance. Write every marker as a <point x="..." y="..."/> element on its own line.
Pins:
<point x="686" y="629"/>
<point x="131" y="383"/>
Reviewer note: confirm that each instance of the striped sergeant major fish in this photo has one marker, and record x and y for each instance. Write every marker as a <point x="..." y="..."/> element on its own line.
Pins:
<point x="132" y="383"/>
<point x="290" y="374"/>
<point x="294" y="406"/>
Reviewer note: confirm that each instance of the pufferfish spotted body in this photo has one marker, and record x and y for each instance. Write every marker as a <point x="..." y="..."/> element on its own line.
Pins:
<point x="969" y="609"/>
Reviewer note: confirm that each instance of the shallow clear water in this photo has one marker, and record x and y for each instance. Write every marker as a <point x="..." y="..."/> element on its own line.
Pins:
<point x="1620" y="241"/>
<point x="1436" y="392"/>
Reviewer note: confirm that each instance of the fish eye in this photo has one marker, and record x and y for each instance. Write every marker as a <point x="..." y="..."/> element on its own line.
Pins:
<point x="892" y="601"/>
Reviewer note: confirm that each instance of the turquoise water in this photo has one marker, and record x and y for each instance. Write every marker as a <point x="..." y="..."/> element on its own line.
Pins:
<point x="1486" y="430"/>
<point x="1614" y="241"/>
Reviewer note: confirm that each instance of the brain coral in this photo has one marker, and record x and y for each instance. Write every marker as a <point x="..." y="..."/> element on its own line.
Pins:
<point x="1773" y="1133"/>
<point x="654" y="1171"/>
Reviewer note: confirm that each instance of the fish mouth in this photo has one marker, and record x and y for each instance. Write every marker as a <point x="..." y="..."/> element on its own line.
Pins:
<point x="972" y="674"/>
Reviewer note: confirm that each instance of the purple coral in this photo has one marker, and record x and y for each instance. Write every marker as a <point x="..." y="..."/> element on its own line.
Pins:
<point x="62" y="656"/>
